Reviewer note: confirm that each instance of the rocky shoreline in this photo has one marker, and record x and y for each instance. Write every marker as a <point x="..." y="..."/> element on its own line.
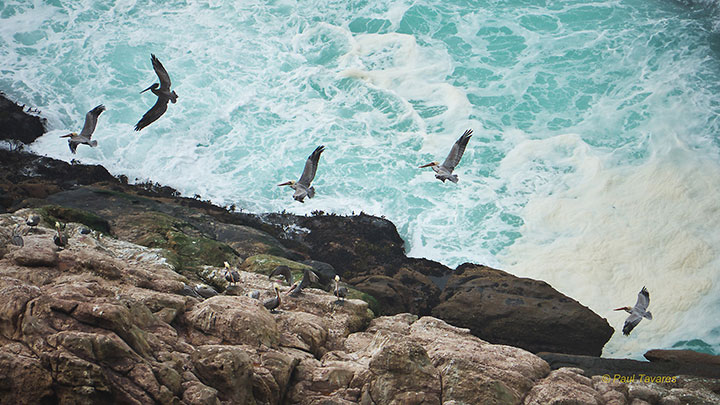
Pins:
<point x="109" y="319"/>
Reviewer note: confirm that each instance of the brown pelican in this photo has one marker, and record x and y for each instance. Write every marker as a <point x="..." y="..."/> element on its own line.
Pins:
<point x="84" y="137"/>
<point x="33" y="220"/>
<point x="16" y="238"/>
<point x="638" y="312"/>
<point x="163" y="93"/>
<point x="231" y="276"/>
<point x="302" y="187"/>
<point x="309" y="276"/>
<point x="283" y="271"/>
<point x="340" y="292"/>
<point x="60" y="237"/>
<point x="444" y="171"/>
<point x="273" y="303"/>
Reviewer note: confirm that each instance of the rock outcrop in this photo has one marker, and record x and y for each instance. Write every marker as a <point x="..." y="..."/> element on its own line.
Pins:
<point x="502" y="308"/>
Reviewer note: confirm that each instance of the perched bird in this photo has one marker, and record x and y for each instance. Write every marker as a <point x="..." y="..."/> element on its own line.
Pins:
<point x="189" y="291"/>
<point x="638" y="312"/>
<point x="283" y="271"/>
<point x="444" y="171"/>
<point x="273" y="303"/>
<point x="60" y="238"/>
<point x="340" y="292"/>
<point x="302" y="187"/>
<point x="33" y="220"/>
<point x="84" y="137"/>
<point x="309" y="276"/>
<point x="163" y="93"/>
<point x="16" y="238"/>
<point x="205" y="291"/>
<point x="231" y="276"/>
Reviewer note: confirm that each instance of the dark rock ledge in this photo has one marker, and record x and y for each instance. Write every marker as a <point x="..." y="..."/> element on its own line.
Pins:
<point x="143" y="340"/>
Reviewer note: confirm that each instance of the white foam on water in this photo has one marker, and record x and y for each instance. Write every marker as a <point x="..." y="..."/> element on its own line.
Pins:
<point x="599" y="234"/>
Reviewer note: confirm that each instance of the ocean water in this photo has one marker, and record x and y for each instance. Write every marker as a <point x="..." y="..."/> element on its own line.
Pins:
<point x="594" y="164"/>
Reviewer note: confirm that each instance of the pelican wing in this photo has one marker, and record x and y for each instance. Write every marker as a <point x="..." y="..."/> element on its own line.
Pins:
<point x="283" y="271"/>
<point x="311" y="167"/>
<point x="162" y="74"/>
<point x="91" y="121"/>
<point x="311" y="276"/>
<point x="631" y="322"/>
<point x="643" y="301"/>
<point x="153" y="113"/>
<point x="73" y="145"/>
<point x="457" y="151"/>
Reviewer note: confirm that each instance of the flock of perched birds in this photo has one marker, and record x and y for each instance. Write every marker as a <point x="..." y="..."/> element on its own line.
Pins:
<point x="303" y="188"/>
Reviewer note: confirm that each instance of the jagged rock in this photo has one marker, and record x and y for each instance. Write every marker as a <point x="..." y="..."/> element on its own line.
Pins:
<point x="16" y="125"/>
<point x="505" y="309"/>
<point x="227" y="368"/>
<point x="23" y="378"/>
<point x="233" y="320"/>
<point x="564" y="386"/>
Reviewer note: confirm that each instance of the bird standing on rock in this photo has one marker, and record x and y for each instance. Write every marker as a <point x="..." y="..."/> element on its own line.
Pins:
<point x="231" y="276"/>
<point x="273" y="303"/>
<point x="340" y="292"/>
<point x="33" y="220"/>
<point x="60" y="238"/>
<point x="638" y="312"/>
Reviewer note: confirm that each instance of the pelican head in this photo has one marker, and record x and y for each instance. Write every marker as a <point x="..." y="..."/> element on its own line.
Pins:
<point x="57" y="225"/>
<point x="430" y="164"/>
<point x="227" y="265"/>
<point x="69" y="135"/>
<point x="337" y="278"/>
<point x="287" y="183"/>
<point x="152" y="86"/>
<point x="626" y="309"/>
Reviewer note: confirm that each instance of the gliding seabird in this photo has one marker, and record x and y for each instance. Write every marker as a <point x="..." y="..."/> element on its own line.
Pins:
<point x="444" y="171"/>
<point x="302" y="187"/>
<point x="638" y="312"/>
<point x="84" y="137"/>
<point x="163" y="93"/>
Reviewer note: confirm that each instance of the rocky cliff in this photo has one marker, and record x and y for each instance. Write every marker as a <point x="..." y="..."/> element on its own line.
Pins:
<point x="136" y="308"/>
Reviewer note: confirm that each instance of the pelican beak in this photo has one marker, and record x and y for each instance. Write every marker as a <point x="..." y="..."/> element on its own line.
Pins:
<point x="151" y="86"/>
<point x="287" y="183"/>
<point x="619" y="309"/>
<point x="428" y="165"/>
<point x="68" y="135"/>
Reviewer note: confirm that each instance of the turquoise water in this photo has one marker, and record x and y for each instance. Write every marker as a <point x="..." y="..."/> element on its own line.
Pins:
<point x="594" y="163"/>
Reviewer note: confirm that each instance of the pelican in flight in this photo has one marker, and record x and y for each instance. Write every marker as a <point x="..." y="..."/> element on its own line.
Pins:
<point x="302" y="187"/>
<point x="232" y="276"/>
<point x="163" y="93"/>
<point x="309" y="276"/>
<point x="340" y="292"/>
<point x="84" y="137"/>
<point x="638" y="312"/>
<point x="273" y="303"/>
<point x="283" y="271"/>
<point x="444" y="171"/>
